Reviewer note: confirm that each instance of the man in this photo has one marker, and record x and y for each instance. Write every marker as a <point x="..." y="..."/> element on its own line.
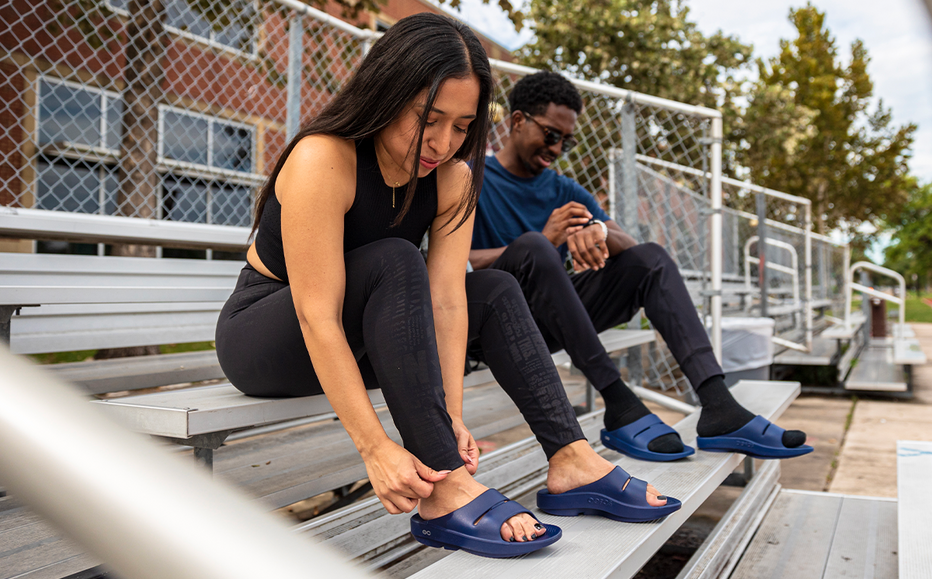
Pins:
<point x="529" y="218"/>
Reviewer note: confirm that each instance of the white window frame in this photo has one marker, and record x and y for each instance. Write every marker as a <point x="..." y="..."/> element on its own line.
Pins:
<point x="185" y="169"/>
<point x="205" y="40"/>
<point x="208" y="168"/>
<point x="101" y="155"/>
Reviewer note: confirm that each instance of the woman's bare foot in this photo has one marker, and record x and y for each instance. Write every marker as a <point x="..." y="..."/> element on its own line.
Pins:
<point x="458" y="490"/>
<point x="576" y="464"/>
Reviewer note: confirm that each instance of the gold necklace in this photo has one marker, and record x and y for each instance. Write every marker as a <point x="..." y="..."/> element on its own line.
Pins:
<point x="397" y="184"/>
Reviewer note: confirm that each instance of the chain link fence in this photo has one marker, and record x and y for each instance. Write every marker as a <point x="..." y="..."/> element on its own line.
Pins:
<point x="177" y="110"/>
<point x="170" y="110"/>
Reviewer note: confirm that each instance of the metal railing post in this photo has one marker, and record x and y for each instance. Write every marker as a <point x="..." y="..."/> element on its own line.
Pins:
<point x="148" y="504"/>
<point x="866" y="309"/>
<point x="762" y="253"/>
<point x="807" y="297"/>
<point x="630" y="220"/>
<point x="295" y="53"/>
<point x="715" y="192"/>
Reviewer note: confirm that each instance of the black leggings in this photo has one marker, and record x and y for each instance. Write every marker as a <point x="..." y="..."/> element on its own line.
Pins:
<point x="571" y="310"/>
<point x="388" y="322"/>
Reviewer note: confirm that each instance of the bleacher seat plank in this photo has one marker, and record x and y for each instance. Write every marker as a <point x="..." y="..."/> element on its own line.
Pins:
<point x="209" y="409"/>
<point x="913" y="473"/>
<point x="614" y="340"/>
<point x="824" y="352"/>
<point x="41" y="224"/>
<point x="722" y="548"/>
<point x="33" y="549"/>
<point x="68" y="328"/>
<point x="842" y="332"/>
<point x="822" y="535"/>
<point x="598" y="547"/>
<point x="908" y="352"/>
<point x="138" y="372"/>
<point x="876" y="371"/>
<point x="865" y="543"/>
<point x="289" y="466"/>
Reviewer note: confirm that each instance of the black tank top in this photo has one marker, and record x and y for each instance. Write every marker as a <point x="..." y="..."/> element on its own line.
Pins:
<point x="369" y="219"/>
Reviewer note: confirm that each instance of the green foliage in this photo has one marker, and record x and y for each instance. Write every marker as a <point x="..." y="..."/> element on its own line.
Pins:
<point x="911" y="250"/>
<point x="82" y="355"/>
<point x="648" y="46"/>
<point x="808" y="131"/>
<point x="917" y="310"/>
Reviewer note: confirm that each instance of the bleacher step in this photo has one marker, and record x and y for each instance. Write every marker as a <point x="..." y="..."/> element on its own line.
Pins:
<point x="876" y="371"/>
<point x="824" y="353"/>
<point x="822" y="535"/>
<point x="913" y="472"/>
<point x="595" y="547"/>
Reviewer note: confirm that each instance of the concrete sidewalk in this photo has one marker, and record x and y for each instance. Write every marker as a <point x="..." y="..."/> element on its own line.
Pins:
<point x="867" y="462"/>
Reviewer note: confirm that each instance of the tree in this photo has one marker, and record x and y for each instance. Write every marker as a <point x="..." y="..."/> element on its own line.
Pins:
<point x="911" y="251"/>
<point x="808" y="131"/>
<point x="648" y="46"/>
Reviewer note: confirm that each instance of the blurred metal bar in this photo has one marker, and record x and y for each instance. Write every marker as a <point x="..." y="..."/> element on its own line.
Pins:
<point x="295" y="54"/>
<point x="715" y="193"/>
<point x="762" y="252"/>
<point x="145" y="513"/>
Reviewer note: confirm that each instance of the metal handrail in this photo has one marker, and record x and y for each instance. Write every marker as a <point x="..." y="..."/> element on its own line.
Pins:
<point x="145" y="513"/>
<point x="851" y="285"/>
<point x="793" y="271"/>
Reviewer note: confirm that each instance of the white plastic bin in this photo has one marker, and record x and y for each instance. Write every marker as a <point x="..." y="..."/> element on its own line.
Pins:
<point x="747" y="349"/>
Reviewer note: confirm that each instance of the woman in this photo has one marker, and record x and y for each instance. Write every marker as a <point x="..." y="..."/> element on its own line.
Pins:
<point x="336" y="298"/>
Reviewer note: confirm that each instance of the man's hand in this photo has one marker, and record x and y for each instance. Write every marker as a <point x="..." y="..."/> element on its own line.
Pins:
<point x="588" y="246"/>
<point x="563" y="219"/>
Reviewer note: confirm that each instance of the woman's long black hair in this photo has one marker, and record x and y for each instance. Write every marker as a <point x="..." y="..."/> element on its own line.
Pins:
<point x="418" y="53"/>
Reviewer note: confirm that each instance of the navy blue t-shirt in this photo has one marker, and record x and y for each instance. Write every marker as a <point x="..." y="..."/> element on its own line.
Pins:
<point x="510" y="206"/>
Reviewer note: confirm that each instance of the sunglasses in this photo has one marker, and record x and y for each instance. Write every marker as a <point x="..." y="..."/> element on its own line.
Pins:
<point x="552" y="137"/>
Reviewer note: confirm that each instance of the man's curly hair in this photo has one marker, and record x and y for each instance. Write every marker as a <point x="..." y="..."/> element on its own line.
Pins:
<point x="534" y="93"/>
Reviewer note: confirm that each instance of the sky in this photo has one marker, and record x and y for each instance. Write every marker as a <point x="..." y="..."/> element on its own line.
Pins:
<point x="897" y="34"/>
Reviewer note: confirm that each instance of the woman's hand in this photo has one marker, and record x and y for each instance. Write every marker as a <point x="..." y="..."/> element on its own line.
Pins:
<point x="466" y="444"/>
<point x="398" y="478"/>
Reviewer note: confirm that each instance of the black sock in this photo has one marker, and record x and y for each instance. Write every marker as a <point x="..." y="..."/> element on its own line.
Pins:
<point x="722" y="414"/>
<point x="622" y="407"/>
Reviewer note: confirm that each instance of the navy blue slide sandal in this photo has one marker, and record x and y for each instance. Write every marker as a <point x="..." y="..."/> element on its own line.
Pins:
<point x="633" y="439"/>
<point x="617" y="495"/>
<point x="759" y="438"/>
<point x="477" y="528"/>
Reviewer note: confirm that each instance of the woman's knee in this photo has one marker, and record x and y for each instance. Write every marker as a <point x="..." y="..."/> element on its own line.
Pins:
<point x="392" y="255"/>
<point x="487" y="285"/>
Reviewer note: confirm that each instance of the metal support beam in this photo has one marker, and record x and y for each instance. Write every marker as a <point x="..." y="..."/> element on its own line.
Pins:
<point x="204" y="446"/>
<point x="630" y="219"/>
<point x="6" y="315"/>
<point x="295" y="53"/>
<point x="762" y="252"/>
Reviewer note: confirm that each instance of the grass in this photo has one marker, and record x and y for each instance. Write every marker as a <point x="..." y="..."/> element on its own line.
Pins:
<point x="917" y="310"/>
<point x="80" y="356"/>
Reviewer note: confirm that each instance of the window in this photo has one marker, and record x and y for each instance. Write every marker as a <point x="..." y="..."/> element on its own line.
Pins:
<point x="197" y="147"/>
<point x="85" y="123"/>
<point x="206" y="141"/>
<point x="206" y="163"/>
<point x="228" y="24"/>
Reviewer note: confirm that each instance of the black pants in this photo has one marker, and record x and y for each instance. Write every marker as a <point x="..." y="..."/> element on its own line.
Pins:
<point x="388" y="322"/>
<point x="571" y="310"/>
